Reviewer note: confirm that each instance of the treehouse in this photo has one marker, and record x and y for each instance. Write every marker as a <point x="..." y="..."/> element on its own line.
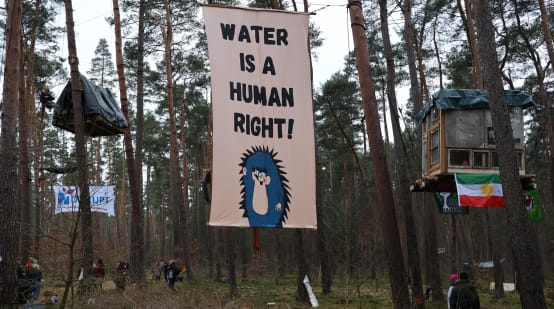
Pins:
<point x="102" y="115"/>
<point x="457" y="137"/>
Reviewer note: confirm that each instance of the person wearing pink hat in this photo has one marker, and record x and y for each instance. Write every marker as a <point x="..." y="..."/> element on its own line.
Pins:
<point x="454" y="279"/>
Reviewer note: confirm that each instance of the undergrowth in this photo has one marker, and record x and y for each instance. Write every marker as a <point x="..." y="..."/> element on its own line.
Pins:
<point x="252" y="294"/>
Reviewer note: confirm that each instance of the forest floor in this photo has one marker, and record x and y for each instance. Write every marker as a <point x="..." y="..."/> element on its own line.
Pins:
<point x="253" y="294"/>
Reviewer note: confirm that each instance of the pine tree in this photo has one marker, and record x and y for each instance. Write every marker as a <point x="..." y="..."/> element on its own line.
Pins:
<point x="102" y="71"/>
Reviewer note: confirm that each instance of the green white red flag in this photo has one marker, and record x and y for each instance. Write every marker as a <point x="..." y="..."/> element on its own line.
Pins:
<point x="479" y="190"/>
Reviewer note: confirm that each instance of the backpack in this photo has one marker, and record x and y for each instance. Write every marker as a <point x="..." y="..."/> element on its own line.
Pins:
<point x="467" y="297"/>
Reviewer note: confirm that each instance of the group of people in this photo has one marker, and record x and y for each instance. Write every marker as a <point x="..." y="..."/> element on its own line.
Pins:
<point x="171" y="272"/>
<point x="462" y="293"/>
<point x="29" y="281"/>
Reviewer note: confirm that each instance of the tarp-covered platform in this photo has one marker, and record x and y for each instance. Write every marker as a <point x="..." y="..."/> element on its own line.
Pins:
<point x="472" y="99"/>
<point x="102" y="114"/>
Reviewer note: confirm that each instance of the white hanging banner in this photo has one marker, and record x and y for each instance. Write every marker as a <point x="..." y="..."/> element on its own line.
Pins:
<point x="102" y="199"/>
<point x="263" y="172"/>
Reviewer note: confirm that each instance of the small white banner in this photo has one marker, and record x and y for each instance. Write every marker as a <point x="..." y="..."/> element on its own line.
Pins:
<point x="102" y="199"/>
<point x="313" y="299"/>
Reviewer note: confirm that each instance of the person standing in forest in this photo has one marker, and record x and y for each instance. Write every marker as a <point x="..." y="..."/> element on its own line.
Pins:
<point x="99" y="273"/>
<point x="465" y="296"/>
<point x="454" y="279"/>
<point x="120" y="276"/>
<point x="172" y="273"/>
<point x="24" y="284"/>
<point x="35" y="276"/>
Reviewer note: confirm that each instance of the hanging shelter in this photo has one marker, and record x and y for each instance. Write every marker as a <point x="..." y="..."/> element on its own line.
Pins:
<point x="102" y="114"/>
<point x="458" y="137"/>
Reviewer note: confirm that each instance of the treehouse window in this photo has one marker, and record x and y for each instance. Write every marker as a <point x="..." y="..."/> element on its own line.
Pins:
<point x="490" y="136"/>
<point x="494" y="159"/>
<point x="458" y="158"/>
<point x="435" y="112"/>
<point x="480" y="159"/>
<point x="520" y="158"/>
<point x="435" y="138"/>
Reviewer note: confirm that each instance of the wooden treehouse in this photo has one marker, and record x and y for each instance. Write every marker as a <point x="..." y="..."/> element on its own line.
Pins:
<point x="457" y="137"/>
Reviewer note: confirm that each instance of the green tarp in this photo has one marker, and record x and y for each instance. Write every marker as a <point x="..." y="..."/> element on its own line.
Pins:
<point x="103" y="117"/>
<point x="472" y="99"/>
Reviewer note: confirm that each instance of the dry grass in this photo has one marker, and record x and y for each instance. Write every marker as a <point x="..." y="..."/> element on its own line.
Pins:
<point x="254" y="294"/>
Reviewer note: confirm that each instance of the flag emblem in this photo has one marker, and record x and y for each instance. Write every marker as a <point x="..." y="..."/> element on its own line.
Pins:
<point x="479" y="190"/>
<point x="487" y="189"/>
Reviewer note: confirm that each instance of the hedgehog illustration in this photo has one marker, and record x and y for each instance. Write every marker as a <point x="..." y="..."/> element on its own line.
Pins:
<point x="265" y="191"/>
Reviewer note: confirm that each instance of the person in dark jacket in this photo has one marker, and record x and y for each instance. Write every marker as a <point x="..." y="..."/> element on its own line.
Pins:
<point x="35" y="276"/>
<point x="465" y="295"/>
<point x="24" y="284"/>
<point x="172" y="273"/>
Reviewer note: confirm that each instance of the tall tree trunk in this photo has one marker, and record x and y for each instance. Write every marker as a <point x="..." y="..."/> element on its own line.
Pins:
<point x="409" y="35"/>
<point x="438" y="58"/>
<point x="348" y="208"/>
<point x="38" y="137"/>
<point x="302" y="267"/>
<point x="180" y="238"/>
<point x="137" y="217"/>
<point x="326" y="275"/>
<point x="393" y="250"/>
<point x="544" y="96"/>
<point x="432" y="269"/>
<point x="402" y="165"/>
<point x="98" y="161"/>
<point x="185" y="216"/>
<point x="121" y="212"/>
<point x="423" y="89"/>
<point x="466" y="243"/>
<point x="231" y="261"/>
<point x="150" y="224"/>
<point x="418" y="93"/>
<point x="495" y="247"/>
<point x="24" y="173"/>
<point x="162" y="227"/>
<point x="550" y="48"/>
<point x="548" y="112"/>
<point x="212" y="231"/>
<point x="491" y="223"/>
<point x="452" y="248"/>
<point x="467" y="19"/>
<point x="139" y="130"/>
<point x="219" y="240"/>
<point x="29" y="100"/>
<point x="81" y="155"/>
<point x="8" y="155"/>
<point x="524" y="236"/>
